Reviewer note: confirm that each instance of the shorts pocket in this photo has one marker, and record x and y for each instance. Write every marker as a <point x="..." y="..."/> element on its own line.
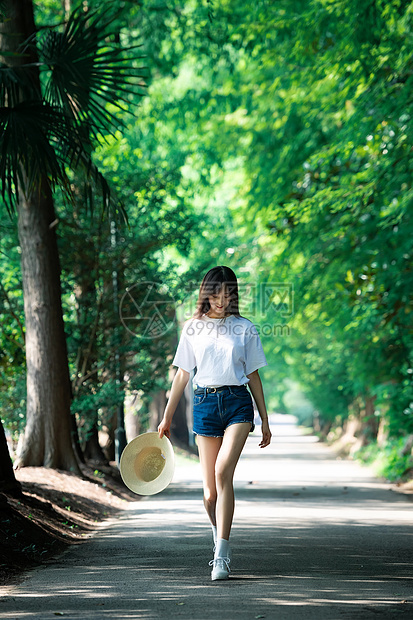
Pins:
<point x="199" y="398"/>
<point x="240" y="392"/>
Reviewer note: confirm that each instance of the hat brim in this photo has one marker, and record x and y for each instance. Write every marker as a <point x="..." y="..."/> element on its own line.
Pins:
<point x="136" y="462"/>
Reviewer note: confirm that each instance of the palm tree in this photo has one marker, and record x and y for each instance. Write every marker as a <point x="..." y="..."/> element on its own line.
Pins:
<point x="54" y="90"/>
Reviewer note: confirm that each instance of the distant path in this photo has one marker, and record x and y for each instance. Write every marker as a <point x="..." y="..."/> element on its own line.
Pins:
<point x="313" y="538"/>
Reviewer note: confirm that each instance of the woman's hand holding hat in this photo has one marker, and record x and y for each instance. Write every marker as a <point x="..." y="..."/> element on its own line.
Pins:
<point x="164" y="429"/>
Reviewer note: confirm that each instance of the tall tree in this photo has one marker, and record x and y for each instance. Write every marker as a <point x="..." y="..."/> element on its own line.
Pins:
<point x="47" y="436"/>
<point x="44" y="128"/>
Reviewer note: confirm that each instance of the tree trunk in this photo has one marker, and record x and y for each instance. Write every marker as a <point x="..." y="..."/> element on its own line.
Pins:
<point x="370" y="422"/>
<point x="179" y="426"/>
<point x="109" y="448"/>
<point x="47" y="438"/>
<point x="156" y="409"/>
<point x="67" y="8"/>
<point x="133" y="426"/>
<point x="74" y="431"/>
<point x="93" y="450"/>
<point x="8" y="482"/>
<point x="84" y="265"/>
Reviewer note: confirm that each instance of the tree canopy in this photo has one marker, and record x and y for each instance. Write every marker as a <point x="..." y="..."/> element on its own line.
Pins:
<point x="272" y="137"/>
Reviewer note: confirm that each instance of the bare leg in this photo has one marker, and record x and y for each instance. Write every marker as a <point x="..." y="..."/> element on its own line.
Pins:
<point x="232" y="444"/>
<point x="208" y="448"/>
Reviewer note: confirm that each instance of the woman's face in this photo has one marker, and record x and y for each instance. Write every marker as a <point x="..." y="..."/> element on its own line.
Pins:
<point x="219" y="302"/>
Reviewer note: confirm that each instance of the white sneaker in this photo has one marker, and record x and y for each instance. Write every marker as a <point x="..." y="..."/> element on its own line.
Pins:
<point x="220" y="568"/>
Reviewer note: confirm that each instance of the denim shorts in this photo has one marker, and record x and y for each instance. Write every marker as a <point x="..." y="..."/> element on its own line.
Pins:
<point x="215" y="411"/>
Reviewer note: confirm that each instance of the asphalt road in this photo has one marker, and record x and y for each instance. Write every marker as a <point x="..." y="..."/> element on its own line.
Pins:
<point x="313" y="538"/>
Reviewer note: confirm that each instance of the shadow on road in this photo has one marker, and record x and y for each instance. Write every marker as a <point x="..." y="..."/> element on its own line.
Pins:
<point x="314" y="538"/>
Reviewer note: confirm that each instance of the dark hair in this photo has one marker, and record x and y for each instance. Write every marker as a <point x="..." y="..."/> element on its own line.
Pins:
<point x="212" y="283"/>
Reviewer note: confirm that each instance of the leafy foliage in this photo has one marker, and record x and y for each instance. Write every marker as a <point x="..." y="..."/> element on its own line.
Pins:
<point x="275" y="138"/>
<point x="12" y="354"/>
<point x="46" y="127"/>
<point x="389" y="461"/>
<point x="319" y="116"/>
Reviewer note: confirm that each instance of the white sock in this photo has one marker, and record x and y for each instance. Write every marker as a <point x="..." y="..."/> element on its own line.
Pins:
<point x="214" y="533"/>
<point x="222" y="548"/>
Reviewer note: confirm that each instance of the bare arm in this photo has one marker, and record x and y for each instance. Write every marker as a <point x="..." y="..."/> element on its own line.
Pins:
<point x="177" y="388"/>
<point x="255" y="386"/>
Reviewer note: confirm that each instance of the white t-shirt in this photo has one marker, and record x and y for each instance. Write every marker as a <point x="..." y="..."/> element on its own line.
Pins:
<point x="224" y="351"/>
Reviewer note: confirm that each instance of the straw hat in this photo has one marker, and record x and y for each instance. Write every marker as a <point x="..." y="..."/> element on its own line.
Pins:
<point x="147" y="464"/>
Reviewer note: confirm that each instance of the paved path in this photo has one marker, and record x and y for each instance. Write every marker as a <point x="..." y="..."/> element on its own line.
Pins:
<point x="313" y="538"/>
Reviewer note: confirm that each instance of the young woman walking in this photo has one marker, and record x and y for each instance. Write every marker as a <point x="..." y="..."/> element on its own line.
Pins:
<point x="226" y="351"/>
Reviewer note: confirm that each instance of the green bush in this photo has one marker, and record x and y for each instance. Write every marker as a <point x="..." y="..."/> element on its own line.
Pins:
<point x="388" y="461"/>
